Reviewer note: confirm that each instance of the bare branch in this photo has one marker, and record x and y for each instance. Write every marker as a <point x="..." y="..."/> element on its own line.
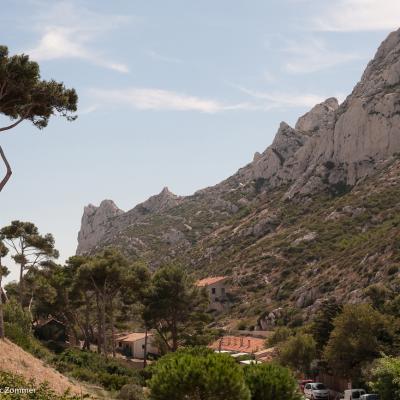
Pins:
<point x="8" y="172"/>
<point x="6" y="128"/>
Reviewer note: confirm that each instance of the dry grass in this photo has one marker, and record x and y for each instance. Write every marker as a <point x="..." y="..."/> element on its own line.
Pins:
<point x="14" y="359"/>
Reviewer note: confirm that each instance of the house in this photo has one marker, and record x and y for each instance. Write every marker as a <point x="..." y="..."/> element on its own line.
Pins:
<point x="133" y="345"/>
<point x="216" y="288"/>
<point x="238" y="344"/>
<point x="51" y="329"/>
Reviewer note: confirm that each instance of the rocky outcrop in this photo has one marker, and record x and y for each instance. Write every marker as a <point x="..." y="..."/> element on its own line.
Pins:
<point x="102" y="224"/>
<point x="95" y="223"/>
<point x="339" y="145"/>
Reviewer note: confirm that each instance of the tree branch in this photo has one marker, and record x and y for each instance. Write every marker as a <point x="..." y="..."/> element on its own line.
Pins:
<point x="8" y="172"/>
<point x="6" y="128"/>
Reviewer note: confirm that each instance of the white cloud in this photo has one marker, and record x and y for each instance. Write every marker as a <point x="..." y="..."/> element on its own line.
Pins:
<point x="313" y="55"/>
<point x="158" y="99"/>
<point x="67" y="32"/>
<point x="156" y="56"/>
<point x="359" y="15"/>
<point x="276" y="99"/>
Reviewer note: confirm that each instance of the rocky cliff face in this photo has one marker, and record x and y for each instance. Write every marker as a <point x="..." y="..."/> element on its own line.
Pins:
<point x="338" y="145"/>
<point x="243" y="227"/>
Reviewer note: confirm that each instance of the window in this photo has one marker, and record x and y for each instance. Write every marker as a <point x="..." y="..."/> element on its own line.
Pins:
<point x="143" y="346"/>
<point x="308" y="386"/>
<point x="213" y="290"/>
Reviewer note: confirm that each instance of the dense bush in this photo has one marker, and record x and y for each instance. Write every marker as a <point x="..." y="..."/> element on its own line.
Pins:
<point x="197" y="374"/>
<point x="271" y="382"/>
<point x="131" y="392"/>
<point x="18" y="328"/>
<point x="385" y="379"/>
<point x="95" y="368"/>
<point x="298" y="352"/>
<point x="41" y="392"/>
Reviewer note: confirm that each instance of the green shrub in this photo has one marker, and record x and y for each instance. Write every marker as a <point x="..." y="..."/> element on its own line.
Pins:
<point x="205" y="375"/>
<point x="16" y="334"/>
<point x="131" y="392"/>
<point x="271" y="382"/>
<point x="95" y="368"/>
<point x="280" y="334"/>
<point x="385" y="379"/>
<point x="16" y="315"/>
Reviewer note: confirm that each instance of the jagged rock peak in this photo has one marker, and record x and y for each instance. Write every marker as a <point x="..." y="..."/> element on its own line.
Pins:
<point x="159" y="202"/>
<point x="94" y="224"/>
<point x="318" y="115"/>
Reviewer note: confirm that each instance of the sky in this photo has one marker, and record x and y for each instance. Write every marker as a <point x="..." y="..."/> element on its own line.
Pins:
<point x="177" y="93"/>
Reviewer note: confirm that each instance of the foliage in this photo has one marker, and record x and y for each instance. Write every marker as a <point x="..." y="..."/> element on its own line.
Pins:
<point x="360" y="333"/>
<point x="279" y="335"/>
<point x="385" y="378"/>
<point x="14" y="314"/>
<point x="131" y="392"/>
<point x="323" y="322"/>
<point x="205" y="375"/>
<point x="96" y="368"/>
<point x="176" y="308"/>
<point x="271" y="382"/>
<point x="298" y="352"/>
<point x="42" y="391"/>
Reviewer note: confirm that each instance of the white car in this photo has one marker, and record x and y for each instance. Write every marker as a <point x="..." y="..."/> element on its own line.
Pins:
<point x="353" y="394"/>
<point x="316" y="391"/>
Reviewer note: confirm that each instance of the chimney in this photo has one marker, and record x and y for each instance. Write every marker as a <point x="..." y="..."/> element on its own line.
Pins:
<point x="229" y="341"/>
<point x="249" y="343"/>
<point x="241" y="342"/>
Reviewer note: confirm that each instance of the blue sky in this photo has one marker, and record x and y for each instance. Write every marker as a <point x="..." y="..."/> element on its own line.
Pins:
<point x="178" y="93"/>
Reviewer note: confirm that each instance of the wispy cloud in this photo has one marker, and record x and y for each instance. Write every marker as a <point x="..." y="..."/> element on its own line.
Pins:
<point x="313" y="55"/>
<point x="160" y="57"/>
<point x="69" y="32"/>
<point x="279" y="99"/>
<point x="161" y="100"/>
<point x="359" y="15"/>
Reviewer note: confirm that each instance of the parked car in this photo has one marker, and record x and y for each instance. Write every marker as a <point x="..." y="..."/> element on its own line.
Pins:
<point x="369" y="397"/>
<point x="352" y="394"/>
<point x="316" y="391"/>
<point x="303" y="383"/>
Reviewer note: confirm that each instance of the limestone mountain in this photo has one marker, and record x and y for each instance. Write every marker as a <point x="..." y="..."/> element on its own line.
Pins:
<point x="316" y="214"/>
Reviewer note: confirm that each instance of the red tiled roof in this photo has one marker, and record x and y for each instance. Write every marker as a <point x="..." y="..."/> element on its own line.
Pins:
<point x="210" y="281"/>
<point x="242" y="344"/>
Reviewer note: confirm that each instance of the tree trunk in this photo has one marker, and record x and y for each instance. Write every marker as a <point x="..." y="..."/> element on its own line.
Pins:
<point x="99" y="327"/>
<point x="86" y="333"/>
<point x="2" y="333"/>
<point x="112" y="326"/>
<point x="21" y="284"/>
<point x="145" y="350"/>
<point x="174" y="335"/>
<point x="103" y="324"/>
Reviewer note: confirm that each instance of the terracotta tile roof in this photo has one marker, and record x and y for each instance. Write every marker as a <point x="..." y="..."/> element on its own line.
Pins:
<point x="243" y="344"/>
<point x="210" y="280"/>
<point x="133" y="337"/>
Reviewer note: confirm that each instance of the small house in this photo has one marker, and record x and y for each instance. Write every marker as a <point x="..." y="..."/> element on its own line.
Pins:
<point x="51" y="330"/>
<point x="216" y="288"/>
<point x="133" y="345"/>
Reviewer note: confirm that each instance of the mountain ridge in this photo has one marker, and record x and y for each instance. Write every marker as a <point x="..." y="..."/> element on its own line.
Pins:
<point x="333" y="152"/>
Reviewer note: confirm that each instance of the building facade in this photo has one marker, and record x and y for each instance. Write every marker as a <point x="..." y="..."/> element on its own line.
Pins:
<point x="133" y="345"/>
<point x="217" y="291"/>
